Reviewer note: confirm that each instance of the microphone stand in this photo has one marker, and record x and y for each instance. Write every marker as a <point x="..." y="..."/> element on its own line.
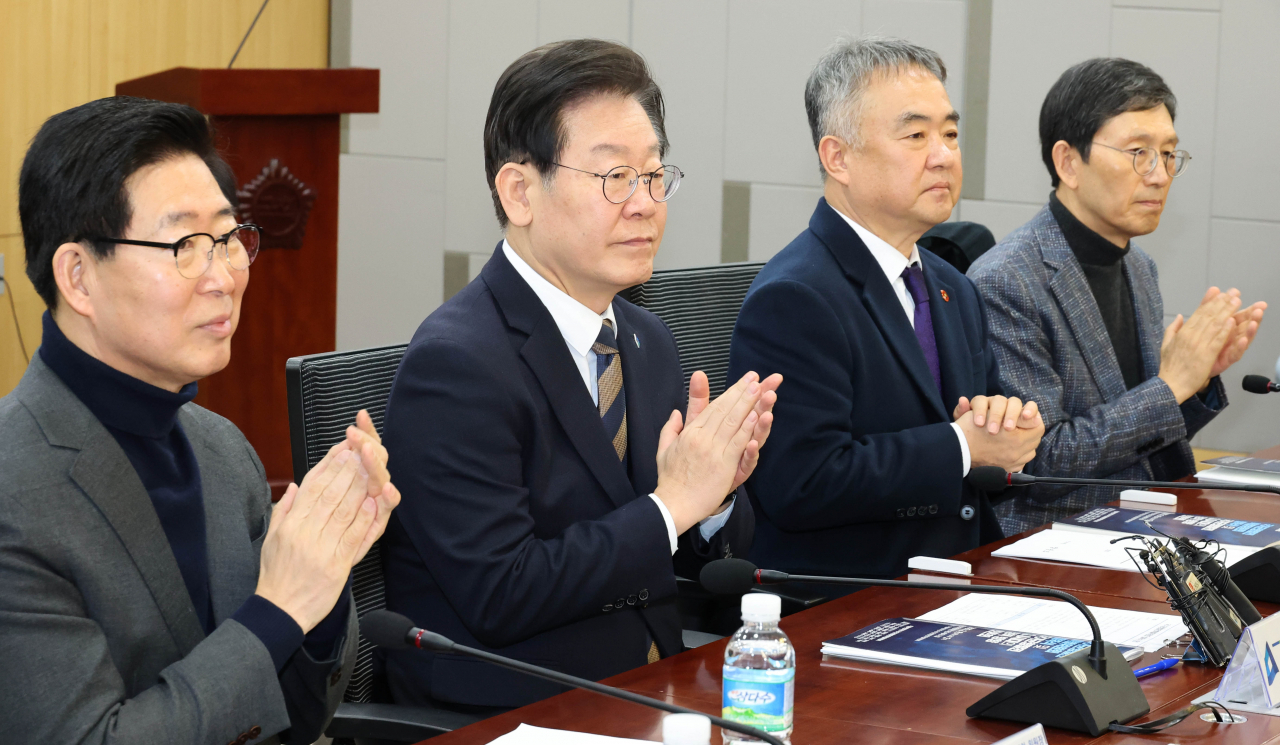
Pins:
<point x="1058" y="693"/>
<point x="428" y="640"/>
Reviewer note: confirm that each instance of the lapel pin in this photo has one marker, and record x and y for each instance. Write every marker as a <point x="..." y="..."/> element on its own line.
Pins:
<point x="945" y="297"/>
<point x="637" y="340"/>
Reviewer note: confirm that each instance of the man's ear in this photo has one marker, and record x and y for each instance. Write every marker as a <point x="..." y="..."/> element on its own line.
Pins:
<point x="1067" y="162"/>
<point x="832" y="151"/>
<point x="73" y="270"/>
<point x="515" y="182"/>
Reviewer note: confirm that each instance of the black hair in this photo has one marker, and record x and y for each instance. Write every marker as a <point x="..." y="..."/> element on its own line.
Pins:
<point x="1089" y="94"/>
<point x="525" y="122"/>
<point x="72" y="185"/>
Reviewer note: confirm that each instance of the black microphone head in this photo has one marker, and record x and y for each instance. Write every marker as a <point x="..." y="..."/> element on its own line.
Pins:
<point x="386" y="629"/>
<point x="728" y="576"/>
<point x="993" y="479"/>
<point x="1256" y="384"/>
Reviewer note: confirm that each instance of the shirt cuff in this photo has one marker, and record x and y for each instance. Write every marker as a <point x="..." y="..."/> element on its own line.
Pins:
<point x="277" y="630"/>
<point x="711" y="525"/>
<point x="964" y="450"/>
<point x="322" y="641"/>
<point x="666" y="518"/>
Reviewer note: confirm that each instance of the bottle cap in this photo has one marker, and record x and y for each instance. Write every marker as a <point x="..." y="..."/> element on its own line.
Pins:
<point x="761" y="606"/>
<point x="686" y="729"/>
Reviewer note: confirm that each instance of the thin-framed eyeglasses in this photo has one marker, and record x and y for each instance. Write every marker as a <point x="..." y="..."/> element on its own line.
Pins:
<point x="194" y="253"/>
<point x="1144" y="159"/>
<point x="620" y="182"/>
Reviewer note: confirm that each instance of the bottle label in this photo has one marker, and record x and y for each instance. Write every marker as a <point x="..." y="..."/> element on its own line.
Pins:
<point x="759" y="698"/>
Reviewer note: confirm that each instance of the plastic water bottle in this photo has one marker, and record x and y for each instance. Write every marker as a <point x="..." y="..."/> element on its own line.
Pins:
<point x="686" y="729"/>
<point x="759" y="671"/>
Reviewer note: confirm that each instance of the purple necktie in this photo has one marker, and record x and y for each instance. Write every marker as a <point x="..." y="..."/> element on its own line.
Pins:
<point x="914" y="278"/>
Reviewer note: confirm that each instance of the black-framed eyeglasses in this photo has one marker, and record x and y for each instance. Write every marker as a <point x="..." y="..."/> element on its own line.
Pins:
<point x="620" y="182"/>
<point x="1145" y="159"/>
<point x="194" y="253"/>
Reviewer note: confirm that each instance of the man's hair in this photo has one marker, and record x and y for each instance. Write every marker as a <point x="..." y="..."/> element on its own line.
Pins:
<point x="72" y="185"/>
<point x="1090" y="94"/>
<point x="525" y="123"/>
<point x="833" y="94"/>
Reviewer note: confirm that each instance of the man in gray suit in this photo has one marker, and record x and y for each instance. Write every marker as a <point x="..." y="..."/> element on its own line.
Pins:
<point x="150" y="593"/>
<point x="1074" y="307"/>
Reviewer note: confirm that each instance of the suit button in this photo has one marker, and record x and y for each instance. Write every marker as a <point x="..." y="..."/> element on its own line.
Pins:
<point x="967" y="512"/>
<point x="254" y="731"/>
<point x="631" y="600"/>
<point x="901" y="512"/>
<point x="923" y="510"/>
<point x="644" y="595"/>
<point x="933" y="509"/>
<point x="243" y="738"/>
<point x="620" y="603"/>
<point x="911" y="511"/>
<point x="333" y="681"/>
<point x="607" y="607"/>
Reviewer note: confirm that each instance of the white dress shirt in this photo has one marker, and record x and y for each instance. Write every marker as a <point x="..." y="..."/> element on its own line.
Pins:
<point x="579" y="325"/>
<point x="892" y="262"/>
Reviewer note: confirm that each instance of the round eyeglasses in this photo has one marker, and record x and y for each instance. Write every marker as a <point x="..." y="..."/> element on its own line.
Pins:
<point x="1145" y="159"/>
<point x="620" y="182"/>
<point x="194" y="253"/>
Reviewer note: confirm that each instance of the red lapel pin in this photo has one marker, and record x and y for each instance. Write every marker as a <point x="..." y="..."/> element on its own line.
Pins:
<point x="945" y="297"/>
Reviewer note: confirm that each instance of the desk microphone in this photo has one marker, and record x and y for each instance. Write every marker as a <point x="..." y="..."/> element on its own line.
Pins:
<point x="389" y="630"/>
<point x="1258" y="384"/>
<point x="1059" y="693"/>
<point x="1256" y="577"/>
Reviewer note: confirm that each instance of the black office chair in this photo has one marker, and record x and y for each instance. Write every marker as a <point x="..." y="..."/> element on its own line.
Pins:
<point x="700" y="305"/>
<point x="325" y="391"/>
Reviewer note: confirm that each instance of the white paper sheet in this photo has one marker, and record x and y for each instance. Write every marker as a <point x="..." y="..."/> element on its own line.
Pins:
<point x="1151" y="631"/>
<point x="1092" y="548"/>
<point x="527" y="734"/>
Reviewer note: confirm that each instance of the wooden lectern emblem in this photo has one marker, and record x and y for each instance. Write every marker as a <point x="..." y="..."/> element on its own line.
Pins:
<point x="278" y="202"/>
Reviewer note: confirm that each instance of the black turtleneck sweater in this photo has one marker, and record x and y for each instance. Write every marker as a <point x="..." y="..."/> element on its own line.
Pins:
<point x="143" y="419"/>
<point x="1103" y="265"/>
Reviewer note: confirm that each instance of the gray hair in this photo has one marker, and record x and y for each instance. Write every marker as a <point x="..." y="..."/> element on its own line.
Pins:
<point x="833" y="94"/>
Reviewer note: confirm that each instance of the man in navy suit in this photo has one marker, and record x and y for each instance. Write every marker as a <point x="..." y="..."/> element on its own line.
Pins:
<point x="552" y="487"/>
<point x="893" y="392"/>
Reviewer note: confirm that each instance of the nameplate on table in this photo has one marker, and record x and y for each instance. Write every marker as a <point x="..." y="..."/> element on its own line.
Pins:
<point x="1253" y="676"/>
<point x="1033" y="735"/>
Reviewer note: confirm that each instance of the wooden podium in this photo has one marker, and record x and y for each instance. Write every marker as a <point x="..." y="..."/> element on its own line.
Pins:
<point x="279" y="130"/>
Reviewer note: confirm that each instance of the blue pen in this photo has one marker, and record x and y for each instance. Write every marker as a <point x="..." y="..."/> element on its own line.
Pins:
<point x="1153" y="669"/>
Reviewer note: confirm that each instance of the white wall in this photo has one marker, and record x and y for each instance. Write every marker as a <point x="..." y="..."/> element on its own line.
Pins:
<point x="733" y="73"/>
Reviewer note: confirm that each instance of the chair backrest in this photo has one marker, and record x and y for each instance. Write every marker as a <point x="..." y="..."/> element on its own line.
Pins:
<point x="701" y="306"/>
<point x="325" y="391"/>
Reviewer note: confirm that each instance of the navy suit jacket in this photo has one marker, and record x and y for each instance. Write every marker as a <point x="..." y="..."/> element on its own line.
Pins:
<point x="863" y="469"/>
<point x="519" y="530"/>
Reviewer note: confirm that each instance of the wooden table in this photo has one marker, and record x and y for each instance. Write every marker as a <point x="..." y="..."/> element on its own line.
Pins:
<point x="842" y="701"/>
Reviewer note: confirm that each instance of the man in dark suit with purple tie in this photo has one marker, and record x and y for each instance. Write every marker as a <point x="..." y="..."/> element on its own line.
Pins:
<point x="892" y="389"/>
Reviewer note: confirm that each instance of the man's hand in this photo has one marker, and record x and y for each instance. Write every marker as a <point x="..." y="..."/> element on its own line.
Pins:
<point x="1010" y="448"/>
<point x="363" y="438"/>
<point x="321" y="529"/>
<point x="1193" y="348"/>
<point x="698" y="462"/>
<point x="700" y="398"/>
<point x="992" y="412"/>
<point x="1246" y="327"/>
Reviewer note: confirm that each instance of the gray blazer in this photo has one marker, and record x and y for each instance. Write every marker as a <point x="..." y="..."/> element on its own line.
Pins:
<point x="99" y="639"/>
<point x="1054" y="349"/>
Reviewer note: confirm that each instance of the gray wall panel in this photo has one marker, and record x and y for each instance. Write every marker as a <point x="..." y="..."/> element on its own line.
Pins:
<point x="578" y="19"/>
<point x="684" y="44"/>
<point x="1032" y="43"/>
<point x="778" y="214"/>
<point x="390" y="238"/>
<point x="1248" y="108"/>
<point x="407" y="41"/>
<point x="1002" y="218"/>
<point x="772" y="48"/>
<point x="936" y="24"/>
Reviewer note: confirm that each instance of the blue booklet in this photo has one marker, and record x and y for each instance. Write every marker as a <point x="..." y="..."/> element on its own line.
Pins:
<point x="1196" y="527"/>
<point x="1247" y="463"/>
<point x="992" y="653"/>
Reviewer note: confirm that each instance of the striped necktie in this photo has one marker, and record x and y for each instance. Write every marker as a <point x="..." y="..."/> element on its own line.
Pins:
<point x="613" y="400"/>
